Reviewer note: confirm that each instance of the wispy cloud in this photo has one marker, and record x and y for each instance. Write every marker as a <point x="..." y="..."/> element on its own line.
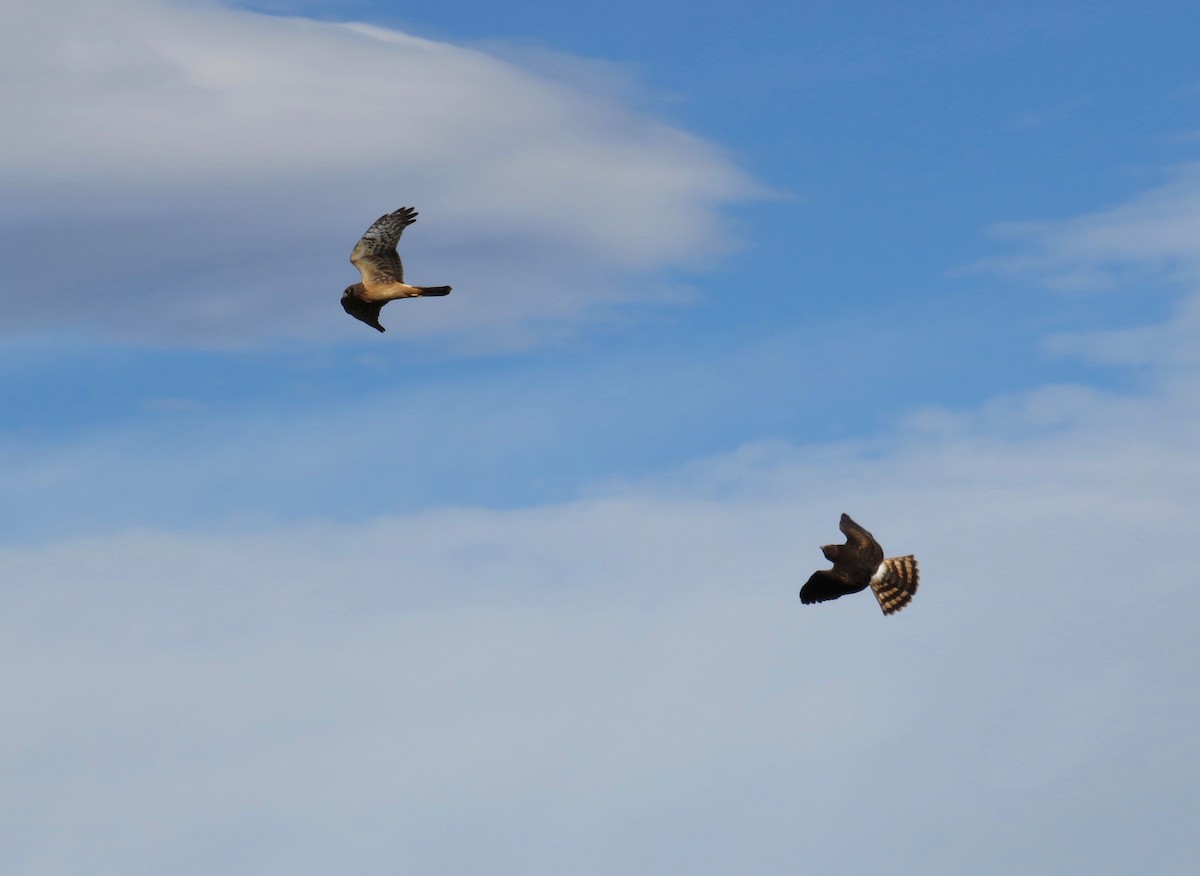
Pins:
<point x="1155" y="233"/>
<point x="194" y="173"/>
<point x="1145" y="250"/>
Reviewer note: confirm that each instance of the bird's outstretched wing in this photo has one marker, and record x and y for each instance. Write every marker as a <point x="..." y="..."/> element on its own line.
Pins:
<point x="367" y="311"/>
<point x="375" y="254"/>
<point x="860" y="541"/>
<point x="825" y="585"/>
<point x="895" y="583"/>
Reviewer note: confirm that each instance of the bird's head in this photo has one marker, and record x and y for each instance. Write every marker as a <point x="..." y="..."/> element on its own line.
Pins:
<point x="831" y="551"/>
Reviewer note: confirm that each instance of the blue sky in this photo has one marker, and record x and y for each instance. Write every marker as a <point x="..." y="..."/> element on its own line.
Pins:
<point x="513" y="586"/>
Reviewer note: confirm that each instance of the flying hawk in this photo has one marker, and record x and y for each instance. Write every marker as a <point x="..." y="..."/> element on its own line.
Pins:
<point x="376" y="258"/>
<point x="859" y="563"/>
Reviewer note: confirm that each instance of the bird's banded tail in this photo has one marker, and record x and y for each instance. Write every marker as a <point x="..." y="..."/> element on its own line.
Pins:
<point x="895" y="583"/>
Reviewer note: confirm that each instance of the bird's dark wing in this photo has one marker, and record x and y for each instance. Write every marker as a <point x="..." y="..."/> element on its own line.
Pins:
<point x="367" y="311"/>
<point x="375" y="254"/>
<point x="861" y="542"/>
<point x="827" y="584"/>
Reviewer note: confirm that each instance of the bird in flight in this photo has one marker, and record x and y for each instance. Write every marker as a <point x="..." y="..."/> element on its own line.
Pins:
<point x="858" y="564"/>
<point x="376" y="258"/>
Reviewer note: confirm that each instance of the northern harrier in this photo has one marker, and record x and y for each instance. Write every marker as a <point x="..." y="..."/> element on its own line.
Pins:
<point x="859" y="563"/>
<point x="376" y="258"/>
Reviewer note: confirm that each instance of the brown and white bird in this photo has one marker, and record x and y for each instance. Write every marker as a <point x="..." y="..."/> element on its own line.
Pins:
<point x="858" y="564"/>
<point x="382" y="272"/>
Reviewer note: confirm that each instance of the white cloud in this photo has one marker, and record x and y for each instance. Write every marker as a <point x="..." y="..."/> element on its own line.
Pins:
<point x="228" y="160"/>
<point x="1146" y="248"/>
<point x="1155" y="232"/>
<point x="1173" y="341"/>
<point x="628" y="682"/>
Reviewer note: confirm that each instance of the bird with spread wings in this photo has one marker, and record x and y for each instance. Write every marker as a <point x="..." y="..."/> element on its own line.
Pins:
<point x="858" y="564"/>
<point x="382" y="272"/>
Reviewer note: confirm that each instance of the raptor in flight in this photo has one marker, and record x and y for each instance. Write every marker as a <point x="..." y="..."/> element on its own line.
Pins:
<point x="858" y="564"/>
<point x="376" y="258"/>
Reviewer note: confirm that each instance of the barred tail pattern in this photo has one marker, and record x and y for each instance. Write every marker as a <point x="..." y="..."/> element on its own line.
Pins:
<point x="895" y="583"/>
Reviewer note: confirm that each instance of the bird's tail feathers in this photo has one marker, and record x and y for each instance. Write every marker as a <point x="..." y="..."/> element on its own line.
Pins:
<point x="434" y="291"/>
<point x="895" y="583"/>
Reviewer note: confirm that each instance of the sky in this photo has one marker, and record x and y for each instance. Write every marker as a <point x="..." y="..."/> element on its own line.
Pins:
<point x="511" y="588"/>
